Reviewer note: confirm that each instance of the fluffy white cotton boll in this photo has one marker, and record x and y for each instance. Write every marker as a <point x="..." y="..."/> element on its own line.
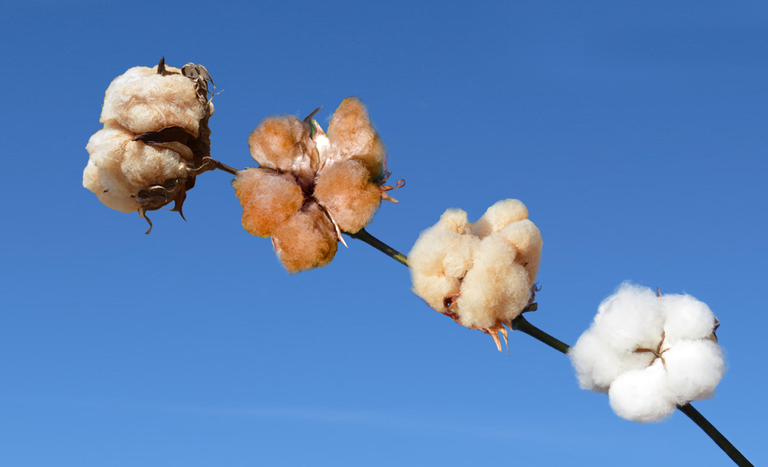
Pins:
<point x="499" y="216"/>
<point x="630" y="318"/>
<point x="434" y="288"/>
<point x="143" y="101"/>
<point x="695" y="367"/>
<point x="642" y="395"/>
<point x="454" y="220"/>
<point x="459" y="257"/>
<point x="496" y="289"/>
<point x="686" y="317"/>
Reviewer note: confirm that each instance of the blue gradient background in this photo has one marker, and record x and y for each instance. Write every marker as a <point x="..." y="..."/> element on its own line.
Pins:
<point x="635" y="134"/>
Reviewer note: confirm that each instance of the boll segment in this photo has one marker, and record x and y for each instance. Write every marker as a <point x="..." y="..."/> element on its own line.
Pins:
<point x="482" y="275"/>
<point x="311" y="186"/>
<point x="155" y="138"/>
<point x="649" y="353"/>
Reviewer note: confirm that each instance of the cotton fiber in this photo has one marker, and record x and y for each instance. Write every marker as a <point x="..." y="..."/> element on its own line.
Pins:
<point x="649" y="353"/>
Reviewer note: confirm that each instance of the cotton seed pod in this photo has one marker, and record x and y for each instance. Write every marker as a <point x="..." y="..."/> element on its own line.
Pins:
<point x="155" y="139"/>
<point x="480" y="274"/>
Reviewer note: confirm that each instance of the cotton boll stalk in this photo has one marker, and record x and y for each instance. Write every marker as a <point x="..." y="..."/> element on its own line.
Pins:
<point x="268" y="199"/>
<point x="345" y="188"/>
<point x="307" y="240"/>
<point x="642" y="395"/>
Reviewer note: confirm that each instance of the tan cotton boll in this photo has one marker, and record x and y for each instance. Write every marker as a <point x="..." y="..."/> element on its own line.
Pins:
<point x="307" y="240"/>
<point x="526" y="238"/>
<point x="495" y="289"/>
<point x="346" y="190"/>
<point x="268" y="198"/>
<point x="283" y="142"/>
<point x="142" y="101"/>
<point x="428" y="253"/>
<point x="454" y="220"/>
<point x="118" y="196"/>
<point x="352" y="133"/>
<point x="499" y="216"/>
<point x="434" y="288"/>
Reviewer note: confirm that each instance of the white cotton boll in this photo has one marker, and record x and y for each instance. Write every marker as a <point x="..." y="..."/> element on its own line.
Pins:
<point x="642" y="395"/>
<point x="143" y="101"/>
<point x="454" y="220"/>
<point x="695" y="368"/>
<point x="687" y="318"/>
<point x="498" y="216"/>
<point x="458" y="259"/>
<point x="526" y="238"/>
<point x="495" y="290"/>
<point x="103" y="174"/>
<point x="630" y="318"/>
<point x="429" y="251"/>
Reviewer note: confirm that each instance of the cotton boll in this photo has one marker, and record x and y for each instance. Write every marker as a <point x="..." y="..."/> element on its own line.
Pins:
<point x="458" y="257"/>
<point x="283" y="143"/>
<point x="495" y="290"/>
<point x="630" y="318"/>
<point x="526" y="238"/>
<point x="695" y="368"/>
<point x="454" y="220"/>
<point x="499" y="216"/>
<point x="268" y="199"/>
<point x="346" y="190"/>
<point x="352" y="133"/>
<point x="307" y="240"/>
<point x="429" y="251"/>
<point x="103" y="174"/>
<point x="434" y="288"/>
<point x="642" y="395"/>
<point x="687" y="318"/>
<point x="143" y="101"/>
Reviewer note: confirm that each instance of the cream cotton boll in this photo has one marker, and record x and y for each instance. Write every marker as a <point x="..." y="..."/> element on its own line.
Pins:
<point x="155" y="139"/>
<point x="649" y="353"/>
<point x="480" y="274"/>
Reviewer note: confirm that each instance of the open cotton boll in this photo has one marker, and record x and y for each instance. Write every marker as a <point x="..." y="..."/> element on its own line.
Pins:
<point x="642" y="348"/>
<point x="143" y="101"/>
<point x="352" y="134"/>
<point x="345" y="189"/>
<point x="307" y="240"/>
<point x="495" y="279"/>
<point x="267" y="197"/>
<point x="642" y="395"/>
<point x="103" y="175"/>
<point x="695" y="368"/>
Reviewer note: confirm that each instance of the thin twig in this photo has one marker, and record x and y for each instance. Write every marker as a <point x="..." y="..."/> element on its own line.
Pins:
<point x="363" y="235"/>
<point x="716" y="436"/>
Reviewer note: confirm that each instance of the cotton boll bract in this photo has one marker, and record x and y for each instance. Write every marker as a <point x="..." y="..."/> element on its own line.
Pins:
<point x="649" y="353"/>
<point x="475" y="273"/>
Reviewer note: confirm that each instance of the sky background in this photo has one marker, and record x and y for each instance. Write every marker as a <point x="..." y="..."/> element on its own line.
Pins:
<point x="634" y="132"/>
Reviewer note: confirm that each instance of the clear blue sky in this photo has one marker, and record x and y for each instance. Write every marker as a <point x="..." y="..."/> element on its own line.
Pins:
<point x="635" y="134"/>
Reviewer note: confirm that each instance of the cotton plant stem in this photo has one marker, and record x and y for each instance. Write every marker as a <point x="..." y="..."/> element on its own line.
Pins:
<point x="716" y="436"/>
<point x="523" y="325"/>
<point x="363" y="235"/>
